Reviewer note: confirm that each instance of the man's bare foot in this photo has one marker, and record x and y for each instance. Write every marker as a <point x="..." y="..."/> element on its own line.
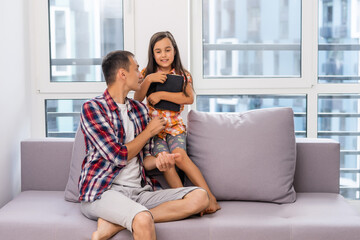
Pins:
<point x="105" y="230"/>
<point x="213" y="206"/>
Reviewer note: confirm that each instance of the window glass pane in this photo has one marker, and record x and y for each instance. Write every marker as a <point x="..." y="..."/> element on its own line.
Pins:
<point x="339" y="48"/>
<point x="81" y="32"/>
<point x="241" y="103"/>
<point x="339" y="119"/>
<point x="251" y="38"/>
<point x="62" y="116"/>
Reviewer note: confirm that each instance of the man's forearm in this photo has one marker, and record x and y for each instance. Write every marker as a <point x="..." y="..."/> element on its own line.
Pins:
<point x="149" y="163"/>
<point x="136" y="145"/>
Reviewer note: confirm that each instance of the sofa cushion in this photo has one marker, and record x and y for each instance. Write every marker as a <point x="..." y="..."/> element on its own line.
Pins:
<point x="77" y="157"/>
<point x="245" y="156"/>
<point x="45" y="215"/>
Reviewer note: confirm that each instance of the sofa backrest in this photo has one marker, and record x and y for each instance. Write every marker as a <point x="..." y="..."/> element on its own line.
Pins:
<point x="45" y="164"/>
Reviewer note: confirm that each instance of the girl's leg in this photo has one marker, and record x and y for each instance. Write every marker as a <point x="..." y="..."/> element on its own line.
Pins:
<point x="195" y="176"/>
<point x="171" y="176"/>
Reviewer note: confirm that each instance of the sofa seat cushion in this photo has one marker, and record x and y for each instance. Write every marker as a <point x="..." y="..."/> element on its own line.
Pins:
<point x="46" y="215"/>
<point x="313" y="216"/>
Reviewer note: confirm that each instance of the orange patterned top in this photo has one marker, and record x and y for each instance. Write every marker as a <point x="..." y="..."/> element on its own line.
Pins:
<point x="174" y="122"/>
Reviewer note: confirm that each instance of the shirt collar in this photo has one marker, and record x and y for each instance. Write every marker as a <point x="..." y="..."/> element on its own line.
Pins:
<point x="112" y="104"/>
<point x="172" y="71"/>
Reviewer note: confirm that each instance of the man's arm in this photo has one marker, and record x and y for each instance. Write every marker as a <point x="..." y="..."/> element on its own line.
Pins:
<point x="154" y="127"/>
<point x="163" y="162"/>
<point x="98" y="130"/>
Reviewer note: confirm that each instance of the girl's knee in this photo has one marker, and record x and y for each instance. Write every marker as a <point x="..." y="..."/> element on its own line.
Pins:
<point x="182" y="158"/>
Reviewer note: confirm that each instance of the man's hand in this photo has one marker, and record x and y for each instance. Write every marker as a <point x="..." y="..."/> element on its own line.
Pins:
<point x="156" y="125"/>
<point x="165" y="161"/>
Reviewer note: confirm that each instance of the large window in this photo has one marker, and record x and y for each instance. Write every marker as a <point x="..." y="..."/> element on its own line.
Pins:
<point x="81" y="32"/>
<point x="251" y="38"/>
<point x="244" y="54"/>
<point x="250" y="54"/>
<point x="70" y="38"/>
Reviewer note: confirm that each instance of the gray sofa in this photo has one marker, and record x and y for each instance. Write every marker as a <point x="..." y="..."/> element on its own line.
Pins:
<point x="319" y="212"/>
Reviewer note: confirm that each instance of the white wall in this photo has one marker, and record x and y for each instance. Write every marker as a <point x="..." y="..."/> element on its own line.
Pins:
<point x="161" y="15"/>
<point x="14" y="93"/>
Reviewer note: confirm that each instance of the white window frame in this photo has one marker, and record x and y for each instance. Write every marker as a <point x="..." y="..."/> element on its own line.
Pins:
<point x="307" y="83"/>
<point x="41" y="86"/>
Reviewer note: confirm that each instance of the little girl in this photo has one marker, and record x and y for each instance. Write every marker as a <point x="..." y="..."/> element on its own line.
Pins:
<point x="164" y="58"/>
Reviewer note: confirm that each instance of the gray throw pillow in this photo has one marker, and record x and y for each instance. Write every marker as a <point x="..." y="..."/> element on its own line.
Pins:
<point x="77" y="157"/>
<point x="245" y="156"/>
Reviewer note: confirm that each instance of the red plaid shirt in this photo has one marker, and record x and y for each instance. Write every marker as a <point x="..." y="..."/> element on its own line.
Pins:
<point x="106" y="153"/>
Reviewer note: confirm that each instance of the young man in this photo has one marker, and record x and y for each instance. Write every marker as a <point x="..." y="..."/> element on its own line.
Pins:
<point x="113" y="187"/>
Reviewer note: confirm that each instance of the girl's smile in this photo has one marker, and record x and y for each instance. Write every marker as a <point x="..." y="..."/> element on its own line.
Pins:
<point x="164" y="54"/>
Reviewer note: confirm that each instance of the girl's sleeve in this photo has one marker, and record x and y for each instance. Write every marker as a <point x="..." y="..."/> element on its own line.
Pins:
<point x="188" y="75"/>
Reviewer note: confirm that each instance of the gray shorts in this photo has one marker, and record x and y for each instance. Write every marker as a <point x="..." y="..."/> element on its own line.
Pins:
<point x="172" y="142"/>
<point x="120" y="204"/>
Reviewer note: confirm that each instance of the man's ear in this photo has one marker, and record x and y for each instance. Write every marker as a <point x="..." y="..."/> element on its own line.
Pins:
<point x="121" y="73"/>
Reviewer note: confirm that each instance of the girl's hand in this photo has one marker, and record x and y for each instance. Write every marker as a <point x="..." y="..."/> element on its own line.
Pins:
<point x="154" y="98"/>
<point x="157" y="77"/>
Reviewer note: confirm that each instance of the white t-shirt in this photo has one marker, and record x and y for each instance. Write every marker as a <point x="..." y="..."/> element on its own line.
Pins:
<point x="129" y="175"/>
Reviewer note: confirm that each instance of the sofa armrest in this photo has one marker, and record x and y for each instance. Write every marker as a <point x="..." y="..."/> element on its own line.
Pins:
<point x="45" y="163"/>
<point x="317" y="165"/>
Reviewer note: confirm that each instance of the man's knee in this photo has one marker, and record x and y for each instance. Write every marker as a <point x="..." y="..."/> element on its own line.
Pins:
<point x="143" y="221"/>
<point x="199" y="199"/>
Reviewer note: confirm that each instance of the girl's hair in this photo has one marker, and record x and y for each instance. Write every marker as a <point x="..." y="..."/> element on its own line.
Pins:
<point x="176" y="64"/>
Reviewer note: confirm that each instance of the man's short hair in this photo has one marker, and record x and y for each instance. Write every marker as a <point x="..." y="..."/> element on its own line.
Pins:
<point x="112" y="62"/>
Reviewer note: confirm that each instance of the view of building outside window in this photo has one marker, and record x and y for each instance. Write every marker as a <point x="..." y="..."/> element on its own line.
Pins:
<point x="339" y="62"/>
<point x="81" y="32"/>
<point x="241" y="103"/>
<point x="339" y="119"/>
<point x="62" y="117"/>
<point x="339" y="45"/>
<point x="251" y="38"/>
